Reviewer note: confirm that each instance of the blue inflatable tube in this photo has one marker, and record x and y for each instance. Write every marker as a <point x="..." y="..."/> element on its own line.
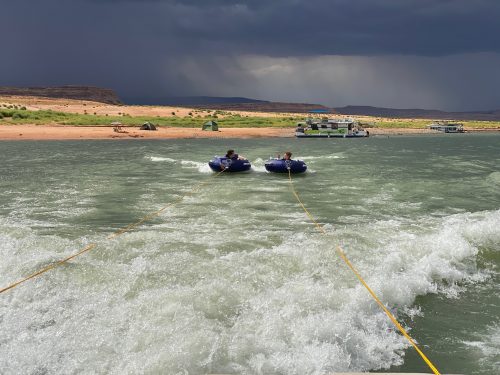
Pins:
<point x="220" y="163"/>
<point x="281" y="166"/>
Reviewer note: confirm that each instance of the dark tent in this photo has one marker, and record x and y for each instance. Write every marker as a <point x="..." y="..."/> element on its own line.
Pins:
<point x="148" y="126"/>
<point x="210" y="125"/>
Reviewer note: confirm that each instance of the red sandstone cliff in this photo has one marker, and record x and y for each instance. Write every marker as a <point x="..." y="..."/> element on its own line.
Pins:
<point x="95" y="94"/>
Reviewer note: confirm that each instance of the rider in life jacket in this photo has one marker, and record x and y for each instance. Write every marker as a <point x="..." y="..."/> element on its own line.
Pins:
<point x="230" y="157"/>
<point x="233" y="156"/>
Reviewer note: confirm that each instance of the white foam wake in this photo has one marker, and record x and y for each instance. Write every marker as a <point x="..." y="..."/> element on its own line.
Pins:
<point x="258" y="165"/>
<point x="202" y="167"/>
<point x="323" y="157"/>
<point x="189" y="294"/>
<point x="488" y="349"/>
<point x="161" y="158"/>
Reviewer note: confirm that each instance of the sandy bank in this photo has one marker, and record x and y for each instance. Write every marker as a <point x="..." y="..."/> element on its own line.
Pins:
<point x="56" y="132"/>
<point x="61" y="132"/>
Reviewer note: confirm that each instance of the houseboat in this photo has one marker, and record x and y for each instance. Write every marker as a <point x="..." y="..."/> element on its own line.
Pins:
<point x="330" y="128"/>
<point x="447" y="127"/>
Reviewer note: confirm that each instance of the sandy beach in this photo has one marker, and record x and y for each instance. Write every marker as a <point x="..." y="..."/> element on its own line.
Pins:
<point x="54" y="131"/>
<point x="62" y="132"/>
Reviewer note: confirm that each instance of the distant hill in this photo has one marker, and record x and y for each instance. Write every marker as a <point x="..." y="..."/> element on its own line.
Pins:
<point x="242" y="104"/>
<point x="268" y="107"/>
<point x="95" y="94"/>
<point x="108" y="96"/>
<point x="353" y="110"/>
<point x="202" y="100"/>
<point x="187" y="101"/>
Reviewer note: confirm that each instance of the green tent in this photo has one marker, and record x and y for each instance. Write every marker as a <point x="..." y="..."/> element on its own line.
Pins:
<point x="148" y="126"/>
<point x="210" y="125"/>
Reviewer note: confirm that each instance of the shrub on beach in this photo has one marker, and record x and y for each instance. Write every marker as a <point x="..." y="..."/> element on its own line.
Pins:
<point x="19" y="115"/>
<point x="7" y="113"/>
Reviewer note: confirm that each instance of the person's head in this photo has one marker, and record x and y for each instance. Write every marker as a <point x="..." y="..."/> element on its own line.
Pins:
<point x="229" y="153"/>
<point x="288" y="155"/>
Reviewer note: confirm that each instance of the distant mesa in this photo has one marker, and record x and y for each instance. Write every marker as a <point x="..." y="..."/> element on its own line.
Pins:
<point x="245" y="104"/>
<point x="108" y="96"/>
<point x="90" y="93"/>
<point x="208" y="100"/>
<point x="269" y="107"/>
<point x="187" y="101"/>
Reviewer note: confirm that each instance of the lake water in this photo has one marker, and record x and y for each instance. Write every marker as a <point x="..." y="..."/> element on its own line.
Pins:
<point x="235" y="279"/>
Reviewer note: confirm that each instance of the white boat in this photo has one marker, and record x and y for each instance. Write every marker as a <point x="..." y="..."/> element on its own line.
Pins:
<point x="330" y="128"/>
<point x="447" y="127"/>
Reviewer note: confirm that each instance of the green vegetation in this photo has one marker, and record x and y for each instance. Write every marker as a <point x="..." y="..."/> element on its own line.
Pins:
<point x="12" y="116"/>
<point x="403" y="123"/>
<point x="224" y="119"/>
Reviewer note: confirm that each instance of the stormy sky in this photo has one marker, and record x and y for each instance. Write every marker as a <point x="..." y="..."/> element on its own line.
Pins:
<point x="442" y="54"/>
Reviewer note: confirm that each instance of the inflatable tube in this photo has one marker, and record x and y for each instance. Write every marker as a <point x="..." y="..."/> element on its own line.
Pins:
<point x="281" y="166"/>
<point x="220" y="163"/>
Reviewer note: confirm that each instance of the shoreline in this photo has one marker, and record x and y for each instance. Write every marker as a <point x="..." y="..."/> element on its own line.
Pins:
<point x="80" y="132"/>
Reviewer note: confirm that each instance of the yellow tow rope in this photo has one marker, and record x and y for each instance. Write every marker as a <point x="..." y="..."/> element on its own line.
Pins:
<point x="342" y="255"/>
<point x="119" y="232"/>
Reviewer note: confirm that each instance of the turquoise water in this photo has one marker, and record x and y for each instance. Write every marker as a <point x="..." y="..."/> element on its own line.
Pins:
<point x="235" y="279"/>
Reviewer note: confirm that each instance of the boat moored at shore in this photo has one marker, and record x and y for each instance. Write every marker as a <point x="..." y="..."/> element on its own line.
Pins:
<point x="447" y="127"/>
<point x="330" y="128"/>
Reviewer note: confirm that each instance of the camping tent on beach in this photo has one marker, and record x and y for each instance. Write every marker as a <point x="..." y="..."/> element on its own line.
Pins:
<point x="210" y="125"/>
<point x="148" y="126"/>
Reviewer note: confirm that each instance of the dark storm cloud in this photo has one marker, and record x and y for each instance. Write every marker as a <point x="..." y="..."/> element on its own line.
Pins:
<point x="155" y="48"/>
<point x="281" y="27"/>
<point x="333" y="27"/>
